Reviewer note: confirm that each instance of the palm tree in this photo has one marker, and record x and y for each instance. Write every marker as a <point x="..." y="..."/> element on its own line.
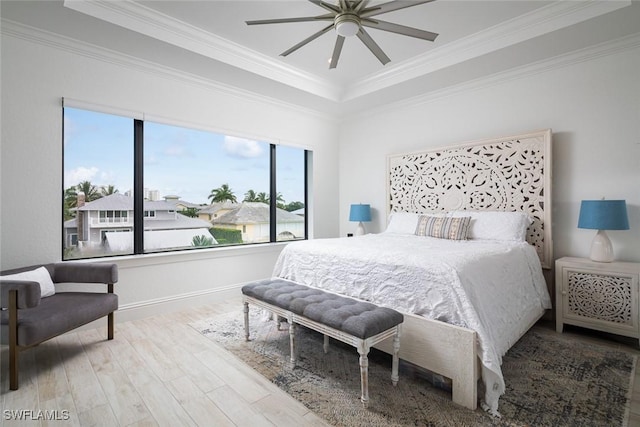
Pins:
<point x="280" y="200"/>
<point x="190" y="212"/>
<point x="222" y="194"/>
<point x="89" y="190"/>
<point x="90" y="194"/>
<point x="202" y="241"/>
<point x="262" y="198"/>
<point x="70" y="202"/>
<point x="250" y="196"/>
<point x="108" y="190"/>
<point x="294" y="206"/>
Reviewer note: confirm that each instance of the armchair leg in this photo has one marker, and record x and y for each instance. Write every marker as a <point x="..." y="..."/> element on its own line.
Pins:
<point x="110" y="326"/>
<point x="110" y="315"/>
<point x="13" y="340"/>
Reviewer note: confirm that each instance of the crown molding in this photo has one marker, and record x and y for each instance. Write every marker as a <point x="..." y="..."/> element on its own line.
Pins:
<point x="552" y="17"/>
<point x="88" y="50"/>
<point x="139" y="18"/>
<point x="623" y="44"/>
<point x="147" y="21"/>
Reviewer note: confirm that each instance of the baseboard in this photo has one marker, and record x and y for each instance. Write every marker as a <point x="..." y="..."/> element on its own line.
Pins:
<point x="140" y="310"/>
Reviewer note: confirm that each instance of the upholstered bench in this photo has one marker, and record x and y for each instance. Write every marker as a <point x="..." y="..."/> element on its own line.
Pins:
<point x="357" y="323"/>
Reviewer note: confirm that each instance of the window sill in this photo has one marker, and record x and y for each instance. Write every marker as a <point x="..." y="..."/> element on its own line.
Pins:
<point x="135" y="261"/>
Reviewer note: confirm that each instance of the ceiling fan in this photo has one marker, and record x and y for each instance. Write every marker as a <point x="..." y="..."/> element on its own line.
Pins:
<point x="348" y="18"/>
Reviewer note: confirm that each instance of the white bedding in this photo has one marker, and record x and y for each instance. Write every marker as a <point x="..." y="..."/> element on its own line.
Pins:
<point x="494" y="288"/>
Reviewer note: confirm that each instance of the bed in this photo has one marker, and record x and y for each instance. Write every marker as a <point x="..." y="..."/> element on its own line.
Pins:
<point x="468" y="297"/>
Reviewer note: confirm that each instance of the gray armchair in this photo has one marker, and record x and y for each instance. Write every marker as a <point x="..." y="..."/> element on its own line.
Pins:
<point x="27" y="319"/>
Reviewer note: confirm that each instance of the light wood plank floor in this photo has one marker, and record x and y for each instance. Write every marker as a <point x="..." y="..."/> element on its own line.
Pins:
<point x="159" y="371"/>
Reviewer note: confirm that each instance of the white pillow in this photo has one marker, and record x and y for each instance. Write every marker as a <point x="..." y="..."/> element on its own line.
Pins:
<point x="497" y="225"/>
<point x="403" y="223"/>
<point x="40" y="275"/>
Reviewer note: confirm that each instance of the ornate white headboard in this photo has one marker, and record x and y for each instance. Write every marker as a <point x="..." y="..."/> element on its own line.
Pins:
<point x="505" y="174"/>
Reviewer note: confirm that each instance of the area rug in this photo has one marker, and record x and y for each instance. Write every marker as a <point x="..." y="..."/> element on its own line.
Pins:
<point x="551" y="379"/>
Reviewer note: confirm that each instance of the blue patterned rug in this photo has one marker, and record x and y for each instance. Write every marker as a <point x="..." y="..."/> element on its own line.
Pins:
<point x="552" y="379"/>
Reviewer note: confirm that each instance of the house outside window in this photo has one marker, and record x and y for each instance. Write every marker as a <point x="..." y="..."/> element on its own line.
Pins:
<point x="199" y="188"/>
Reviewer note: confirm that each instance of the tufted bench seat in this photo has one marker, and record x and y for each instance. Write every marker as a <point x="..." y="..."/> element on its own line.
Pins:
<point x="358" y="323"/>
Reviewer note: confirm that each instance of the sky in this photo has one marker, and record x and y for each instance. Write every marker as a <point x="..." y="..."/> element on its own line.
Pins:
<point x="177" y="161"/>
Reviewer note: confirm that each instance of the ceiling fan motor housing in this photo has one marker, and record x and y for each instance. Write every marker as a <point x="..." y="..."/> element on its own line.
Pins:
<point x="347" y="24"/>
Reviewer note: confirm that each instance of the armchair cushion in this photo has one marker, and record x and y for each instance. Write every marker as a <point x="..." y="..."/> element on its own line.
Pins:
<point x="78" y="272"/>
<point x="65" y="312"/>
<point x="40" y="275"/>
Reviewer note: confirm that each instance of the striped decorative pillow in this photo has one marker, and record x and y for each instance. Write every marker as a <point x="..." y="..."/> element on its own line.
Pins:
<point x="443" y="227"/>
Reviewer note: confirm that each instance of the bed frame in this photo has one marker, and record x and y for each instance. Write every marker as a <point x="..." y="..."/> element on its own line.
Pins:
<point x="504" y="174"/>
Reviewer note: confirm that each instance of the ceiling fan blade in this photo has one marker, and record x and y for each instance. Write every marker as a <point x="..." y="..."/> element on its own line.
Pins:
<point x="360" y="5"/>
<point x="328" y="6"/>
<point x="399" y="29"/>
<point x="327" y="17"/>
<point x="390" y="6"/>
<point x="373" y="46"/>
<point x="307" y="40"/>
<point x="336" y="52"/>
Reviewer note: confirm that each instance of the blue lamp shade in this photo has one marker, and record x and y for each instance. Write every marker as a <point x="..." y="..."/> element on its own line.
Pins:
<point x="603" y="215"/>
<point x="360" y="213"/>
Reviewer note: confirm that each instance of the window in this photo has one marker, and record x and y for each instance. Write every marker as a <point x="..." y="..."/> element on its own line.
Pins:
<point x="290" y="199"/>
<point x="112" y="217"/>
<point x="98" y="171"/>
<point x="151" y="187"/>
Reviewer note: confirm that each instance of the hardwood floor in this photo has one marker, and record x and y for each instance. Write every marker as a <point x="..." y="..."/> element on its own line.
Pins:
<point x="156" y="372"/>
<point x="159" y="371"/>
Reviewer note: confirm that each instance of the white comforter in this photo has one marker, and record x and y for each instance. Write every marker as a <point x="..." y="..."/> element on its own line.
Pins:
<point x="493" y="288"/>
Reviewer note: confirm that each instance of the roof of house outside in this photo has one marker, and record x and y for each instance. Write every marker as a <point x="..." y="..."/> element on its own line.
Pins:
<point x="175" y="200"/>
<point x="255" y="213"/>
<point x="181" y="222"/>
<point x="120" y="202"/>
<point x="217" y="206"/>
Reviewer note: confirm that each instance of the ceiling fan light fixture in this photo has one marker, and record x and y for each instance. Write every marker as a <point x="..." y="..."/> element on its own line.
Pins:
<point x="347" y="24"/>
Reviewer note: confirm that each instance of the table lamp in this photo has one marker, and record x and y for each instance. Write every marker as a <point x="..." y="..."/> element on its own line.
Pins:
<point x="603" y="215"/>
<point x="360" y="213"/>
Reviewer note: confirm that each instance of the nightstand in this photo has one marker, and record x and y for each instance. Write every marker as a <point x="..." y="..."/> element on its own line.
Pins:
<point x="598" y="295"/>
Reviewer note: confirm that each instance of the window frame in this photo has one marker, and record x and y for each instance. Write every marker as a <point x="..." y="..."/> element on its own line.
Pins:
<point x="138" y="215"/>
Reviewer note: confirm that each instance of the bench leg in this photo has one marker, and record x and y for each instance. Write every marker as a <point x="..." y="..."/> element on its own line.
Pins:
<point x="292" y="342"/>
<point x="246" y="321"/>
<point x="364" y="374"/>
<point x="325" y="346"/>
<point x="395" y="361"/>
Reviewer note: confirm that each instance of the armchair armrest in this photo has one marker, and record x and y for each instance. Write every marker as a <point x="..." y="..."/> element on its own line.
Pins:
<point x="79" y="272"/>
<point x="28" y="293"/>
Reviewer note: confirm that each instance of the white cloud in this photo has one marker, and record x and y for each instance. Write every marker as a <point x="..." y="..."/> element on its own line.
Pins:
<point x="240" y="147"/>
<point x="79" y="174"/>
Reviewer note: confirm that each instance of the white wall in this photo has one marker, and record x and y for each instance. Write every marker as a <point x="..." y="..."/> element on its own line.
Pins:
<point x="591" y="101"/>
<point x="37" y="73"/>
